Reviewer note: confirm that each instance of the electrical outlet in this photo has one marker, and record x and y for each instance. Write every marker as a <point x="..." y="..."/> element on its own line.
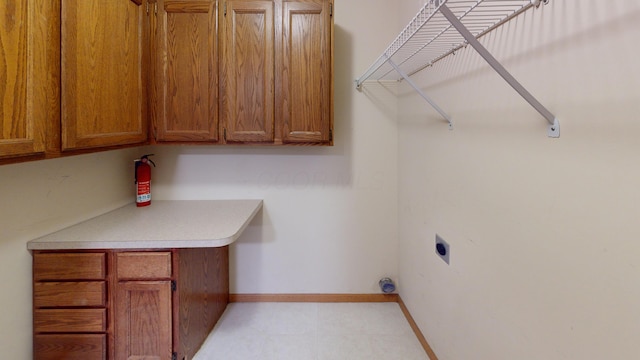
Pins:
<point x="442" y="249"/>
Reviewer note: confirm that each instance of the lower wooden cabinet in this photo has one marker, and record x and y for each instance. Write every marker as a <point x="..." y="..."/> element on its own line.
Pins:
<point x="114" y="304"/>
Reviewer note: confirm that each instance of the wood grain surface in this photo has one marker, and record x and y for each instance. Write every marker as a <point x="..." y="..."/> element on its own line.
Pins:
<point x="28" y="75"/>
<point x="187" y="71"/>
<point x="247" y="71"/>
<point x="103" y="96"/>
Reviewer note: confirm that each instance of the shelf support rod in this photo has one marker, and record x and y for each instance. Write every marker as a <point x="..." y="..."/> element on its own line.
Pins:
<point x="554" y="126"/>
<point x="422" y="94"/>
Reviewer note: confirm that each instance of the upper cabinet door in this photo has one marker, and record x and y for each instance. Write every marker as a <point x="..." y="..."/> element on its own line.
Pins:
<point x="185" y="91"/>
<point x="306" y="64"/>
<point x="247" y="71"/>
<point x="103" y="74"/>
<point x="29" y="66"/>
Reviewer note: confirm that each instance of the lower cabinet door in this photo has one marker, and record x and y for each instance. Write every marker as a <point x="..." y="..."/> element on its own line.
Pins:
<point x="70" y="347"/>
<point x="143" y="324"/>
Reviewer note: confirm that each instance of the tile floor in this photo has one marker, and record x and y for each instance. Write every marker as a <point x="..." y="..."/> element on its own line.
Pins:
<point x="312" y="331"/>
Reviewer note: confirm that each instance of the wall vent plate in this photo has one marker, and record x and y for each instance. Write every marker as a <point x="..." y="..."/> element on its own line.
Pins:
<point x="442" y="249"/>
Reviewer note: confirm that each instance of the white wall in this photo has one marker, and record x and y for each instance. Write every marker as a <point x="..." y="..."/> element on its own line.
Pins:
<point x="543" y="232"/>
<point x="39" y="198"/>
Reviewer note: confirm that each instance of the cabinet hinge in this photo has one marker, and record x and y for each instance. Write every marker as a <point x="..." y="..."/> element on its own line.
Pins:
<point x="147" y="7"/>
<point x="331" y="9"/>
<point x="330" y="134"/>
<point x="225" y="8"/>
<point x="174" y="286"/>
<point x="174" y="356"/>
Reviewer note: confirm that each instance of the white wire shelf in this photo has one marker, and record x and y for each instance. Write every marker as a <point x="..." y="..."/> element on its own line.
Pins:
<point x="440" y="28"/>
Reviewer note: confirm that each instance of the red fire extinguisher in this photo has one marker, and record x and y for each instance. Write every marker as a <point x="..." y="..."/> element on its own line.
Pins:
<point x="143" y="180"/>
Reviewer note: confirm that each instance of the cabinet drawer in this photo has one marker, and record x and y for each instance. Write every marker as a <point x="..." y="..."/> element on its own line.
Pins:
<point x="64" y="294"/>
<point x="70" y="320"/>
<point x="143" y="265"/>
<point x="69" y="266"/>
<point x="70" y="347"/>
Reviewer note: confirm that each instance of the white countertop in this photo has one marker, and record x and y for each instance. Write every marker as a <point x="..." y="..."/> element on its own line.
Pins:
<point x="163" y="224"/>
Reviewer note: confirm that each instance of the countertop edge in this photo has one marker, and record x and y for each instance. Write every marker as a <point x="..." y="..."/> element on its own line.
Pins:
<point x="151" y="244"/>
<point x="98" y="244"/>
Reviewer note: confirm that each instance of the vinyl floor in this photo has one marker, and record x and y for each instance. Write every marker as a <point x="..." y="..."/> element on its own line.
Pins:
<point x="312" y="331"/>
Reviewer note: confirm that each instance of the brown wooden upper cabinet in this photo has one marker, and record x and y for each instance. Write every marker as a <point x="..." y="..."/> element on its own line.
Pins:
<point x="93" y="74"/>
<point x="103" y="52"/>
<point x="28" y="67"/>
<point x="243" y="71"/>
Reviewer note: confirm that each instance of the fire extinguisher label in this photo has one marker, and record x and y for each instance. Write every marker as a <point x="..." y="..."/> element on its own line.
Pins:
<point x="144" y="191"/>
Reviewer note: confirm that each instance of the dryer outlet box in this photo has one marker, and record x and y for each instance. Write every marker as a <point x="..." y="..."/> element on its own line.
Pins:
<point x="442" y="249"/>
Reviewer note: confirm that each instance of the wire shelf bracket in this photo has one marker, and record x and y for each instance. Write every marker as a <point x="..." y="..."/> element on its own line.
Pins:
<point x="422" y="94"/>
<point x="428" y="37"/>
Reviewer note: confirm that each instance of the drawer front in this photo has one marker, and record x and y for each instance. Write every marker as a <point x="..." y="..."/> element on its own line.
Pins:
<point x="69" y="266"/>
<point x="70" y="347"/>
<point x="143" y="265"/>
<point x="70" y="320"/>
<point x="67" y="294"/>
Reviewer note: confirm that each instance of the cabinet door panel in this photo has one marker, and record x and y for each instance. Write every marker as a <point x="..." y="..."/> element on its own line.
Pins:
<point x="186" y="90"/>
<point x="143" y="320"/>
<point x="247" y="71"/>
<point x="28" y="95"/>
<point x="306" y="71"/>
<point x="103" y="97"/>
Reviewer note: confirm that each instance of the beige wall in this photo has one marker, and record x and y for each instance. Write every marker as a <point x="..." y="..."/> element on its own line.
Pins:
<point x="543" y="232"/>
<point x="41" y="197"/>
